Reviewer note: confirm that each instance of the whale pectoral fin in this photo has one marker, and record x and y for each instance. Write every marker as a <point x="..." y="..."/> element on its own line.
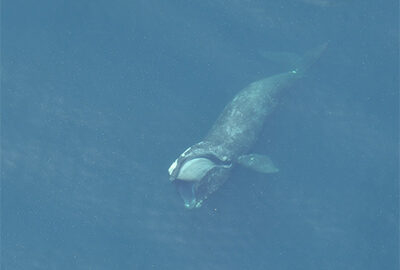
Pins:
<point x="257" y="162"/>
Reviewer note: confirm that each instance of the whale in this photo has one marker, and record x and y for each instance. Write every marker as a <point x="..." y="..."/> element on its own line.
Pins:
<point x="205" y="166"/>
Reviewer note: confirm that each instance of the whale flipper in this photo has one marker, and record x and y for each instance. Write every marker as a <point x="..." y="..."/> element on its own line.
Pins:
<point x="257" y="162"/>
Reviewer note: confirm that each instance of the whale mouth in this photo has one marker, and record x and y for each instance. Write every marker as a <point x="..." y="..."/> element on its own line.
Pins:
<point x="187" y="192"/>
<point x="196" y="167"/>
<point x="191" y="176"/>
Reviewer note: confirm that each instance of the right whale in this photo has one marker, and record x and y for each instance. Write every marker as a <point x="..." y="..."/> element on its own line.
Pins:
<point x="202" y="168"/>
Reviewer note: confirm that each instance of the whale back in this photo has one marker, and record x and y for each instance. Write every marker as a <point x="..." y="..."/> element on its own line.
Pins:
<point x="242" y="119"/>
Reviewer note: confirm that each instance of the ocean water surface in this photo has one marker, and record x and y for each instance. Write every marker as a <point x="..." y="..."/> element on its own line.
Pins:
<point x="98" y="98"/>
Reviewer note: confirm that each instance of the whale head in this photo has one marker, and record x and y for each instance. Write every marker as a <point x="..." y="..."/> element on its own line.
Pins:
<point x="198" y="172"/>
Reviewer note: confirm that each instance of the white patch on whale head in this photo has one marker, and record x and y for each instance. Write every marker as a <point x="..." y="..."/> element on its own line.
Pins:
<point x="175" y="163"/>
<point x="187" y="150"/>
<point x="172" y="167"/>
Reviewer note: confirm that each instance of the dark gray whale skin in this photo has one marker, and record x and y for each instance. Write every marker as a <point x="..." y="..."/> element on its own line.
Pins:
<point x="235" y="132"/>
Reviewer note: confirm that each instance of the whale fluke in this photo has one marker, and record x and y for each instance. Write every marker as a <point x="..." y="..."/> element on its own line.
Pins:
<point x="308" y="59"/>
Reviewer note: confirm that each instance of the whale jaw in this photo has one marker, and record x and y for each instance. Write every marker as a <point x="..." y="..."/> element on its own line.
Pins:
<point x="186" y="191"/>
<point x="197" y="173"/>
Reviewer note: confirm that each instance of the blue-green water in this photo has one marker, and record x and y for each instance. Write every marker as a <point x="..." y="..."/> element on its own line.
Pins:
<point x="98" y="98"/>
